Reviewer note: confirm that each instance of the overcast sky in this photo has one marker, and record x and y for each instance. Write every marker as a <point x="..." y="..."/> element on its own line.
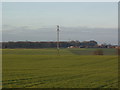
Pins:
<point x="36" y="21"/>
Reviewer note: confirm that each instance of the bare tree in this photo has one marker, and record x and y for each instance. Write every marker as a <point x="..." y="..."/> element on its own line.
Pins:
<point x="98" y="52"/>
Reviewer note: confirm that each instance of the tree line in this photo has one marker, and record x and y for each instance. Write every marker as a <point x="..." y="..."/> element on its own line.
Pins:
<point x="65" y="44"/>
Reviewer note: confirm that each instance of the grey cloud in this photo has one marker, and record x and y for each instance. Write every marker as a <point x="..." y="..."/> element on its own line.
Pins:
<point x="108" y="35"/>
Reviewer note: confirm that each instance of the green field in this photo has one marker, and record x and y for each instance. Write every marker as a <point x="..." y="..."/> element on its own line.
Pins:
<point x="73" y="68"/>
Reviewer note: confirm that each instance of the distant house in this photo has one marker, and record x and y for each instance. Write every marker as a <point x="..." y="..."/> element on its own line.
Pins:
<point x="72" y="47"/>
<point x="117" y="47"/>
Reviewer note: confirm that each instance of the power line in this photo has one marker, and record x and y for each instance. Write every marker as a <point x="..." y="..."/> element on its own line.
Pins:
<point x="58" y="39"/>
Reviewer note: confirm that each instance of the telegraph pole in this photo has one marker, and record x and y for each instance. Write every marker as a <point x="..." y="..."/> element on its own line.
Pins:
<point x="58" y="39"/>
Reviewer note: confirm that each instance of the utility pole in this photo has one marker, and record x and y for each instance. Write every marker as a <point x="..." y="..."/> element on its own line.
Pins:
<point x="58" y="39"/>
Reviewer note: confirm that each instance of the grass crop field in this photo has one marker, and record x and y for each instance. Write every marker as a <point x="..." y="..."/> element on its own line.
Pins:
<point x="73" y="68"/>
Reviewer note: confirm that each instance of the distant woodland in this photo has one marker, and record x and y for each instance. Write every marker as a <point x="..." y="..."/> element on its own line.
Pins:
<point x="65" y="44"/>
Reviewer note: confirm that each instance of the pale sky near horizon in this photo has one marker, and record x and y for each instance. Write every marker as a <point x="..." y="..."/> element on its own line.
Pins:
<point x="36" y="21"/>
